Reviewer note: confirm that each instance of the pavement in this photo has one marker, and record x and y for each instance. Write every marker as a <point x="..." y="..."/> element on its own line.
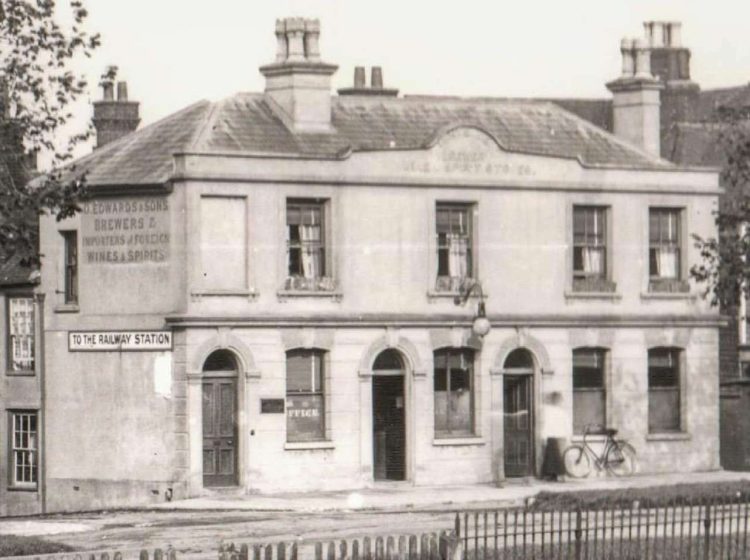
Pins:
<point x="383" y="499"/>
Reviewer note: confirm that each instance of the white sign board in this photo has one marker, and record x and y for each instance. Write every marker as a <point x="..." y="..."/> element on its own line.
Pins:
<point x="107" y="341"/>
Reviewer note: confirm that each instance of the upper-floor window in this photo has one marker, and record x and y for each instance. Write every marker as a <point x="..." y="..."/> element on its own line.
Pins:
<point x="454" y="392"/>
<point x="590" y="266"/>
<point x="664" y="400"/>
<point x="306" y="245"/>
<point x="24" y="445"/>
<point x="455" y="245"/>
<point x="71" y="266"/>
<point x="305" y="395"/>
<point x="589" y="389"/>
<point x="223" y="244"/>
<point x="665" y="250"/>
<point x="21" y="334"/>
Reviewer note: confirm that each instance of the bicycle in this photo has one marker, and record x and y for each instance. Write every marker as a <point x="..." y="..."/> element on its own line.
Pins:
<point x="617" y="456"/>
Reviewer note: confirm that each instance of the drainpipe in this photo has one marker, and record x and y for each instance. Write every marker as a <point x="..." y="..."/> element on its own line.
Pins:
<point x="42" y="400"/>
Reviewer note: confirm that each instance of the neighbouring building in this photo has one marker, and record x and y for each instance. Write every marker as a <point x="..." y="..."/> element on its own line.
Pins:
<point x="260" y="292"/>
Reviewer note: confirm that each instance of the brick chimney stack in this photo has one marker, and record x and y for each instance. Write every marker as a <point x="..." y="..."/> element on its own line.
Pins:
<point x="114" y="118"/>
<point x="298" y="84"/>
<point x="636" y="100"/>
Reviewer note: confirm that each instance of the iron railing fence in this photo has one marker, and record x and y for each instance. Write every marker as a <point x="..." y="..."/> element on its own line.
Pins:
<point x="715" y="529"/>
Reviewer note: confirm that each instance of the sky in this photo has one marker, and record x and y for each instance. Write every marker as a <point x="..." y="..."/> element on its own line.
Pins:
<point x="175" y="52"/>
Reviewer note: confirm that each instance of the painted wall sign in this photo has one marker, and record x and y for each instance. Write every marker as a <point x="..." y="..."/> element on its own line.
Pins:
<point x="104" y="341"/>
<point x="272" y="406"/>
<point x="125" y="230"/>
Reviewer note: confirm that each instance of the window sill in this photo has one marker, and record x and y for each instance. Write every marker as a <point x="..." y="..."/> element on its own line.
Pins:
<point x="669" y="436"/>
<point x="68" y="308"/>
<point x="19" y="488"/>
<point x="22" y="373"/>
<point x="458" y="441"/>
<point x="308" y="445"/>
<point x="220" y="293"/>
<point x="290" y="294"/>
<point x="610" y="296"/>
<point x="667" y="295"/>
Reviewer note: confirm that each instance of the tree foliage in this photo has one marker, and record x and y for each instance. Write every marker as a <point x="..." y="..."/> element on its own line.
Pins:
<point x="725" y="265"/>
<point x="39" y="87"/>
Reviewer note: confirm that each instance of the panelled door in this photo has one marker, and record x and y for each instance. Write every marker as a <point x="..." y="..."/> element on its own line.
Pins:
<point x="219" y="431"/>
<point x="389" y="427"/>
<point x="518" y="420"/>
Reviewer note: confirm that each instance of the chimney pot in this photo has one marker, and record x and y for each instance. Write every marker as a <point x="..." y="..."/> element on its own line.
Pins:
<point x="359" y="77"/>
<point x="376" y="77"/>
<point x="642" y="59"/>
<point x="628" y="61"/>
<point x="675" y="34"/>
<point x="295" y="36"/>
<point x="122" y="91"/>
<point x="281" y="43"/>
<point x="312" y="36"/>
<point x="108" y="92"/>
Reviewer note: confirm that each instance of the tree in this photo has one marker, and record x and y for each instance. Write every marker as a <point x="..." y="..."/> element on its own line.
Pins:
<point x="725" y="266"/>
<point x="38" y="90"/>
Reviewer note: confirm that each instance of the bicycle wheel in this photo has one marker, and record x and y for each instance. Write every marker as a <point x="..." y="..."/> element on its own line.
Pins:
<point x="576" y="461"/>
<point x="620" y="459"/>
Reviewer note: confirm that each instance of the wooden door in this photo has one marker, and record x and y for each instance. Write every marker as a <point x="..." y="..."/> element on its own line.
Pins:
<point x="219" y="431"/>
<point x="389" y="427"/>
<point x="518" y="420"/>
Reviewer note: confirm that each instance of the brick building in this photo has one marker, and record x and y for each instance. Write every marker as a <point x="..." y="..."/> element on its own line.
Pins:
<point x="260" y="292"/>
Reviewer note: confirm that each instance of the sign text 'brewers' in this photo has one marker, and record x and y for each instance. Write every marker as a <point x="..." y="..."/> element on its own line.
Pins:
<point x="80" y="341"/>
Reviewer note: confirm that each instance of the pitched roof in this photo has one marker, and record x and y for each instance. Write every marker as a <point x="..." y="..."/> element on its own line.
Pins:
<point x="712" y="99"/>
<point x="688" y="143"/>
<point x="245" y="123"/>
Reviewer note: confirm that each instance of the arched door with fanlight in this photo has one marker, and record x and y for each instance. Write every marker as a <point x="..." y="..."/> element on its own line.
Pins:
<point x="518" y="413"/>
<point x="220" y="419"/>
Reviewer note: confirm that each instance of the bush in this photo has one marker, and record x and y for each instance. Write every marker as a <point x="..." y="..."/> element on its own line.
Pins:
<point x="653" y="496"/>
<point x="11" y="545"/>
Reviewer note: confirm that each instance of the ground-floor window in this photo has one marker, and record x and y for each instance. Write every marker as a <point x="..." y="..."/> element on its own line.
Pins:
<point x="305" y="395"/>
<point x="589" y="388"/>
<point x="664" y="390"/>
<point x="24" y="443"/>
<point x="454" y="392"/>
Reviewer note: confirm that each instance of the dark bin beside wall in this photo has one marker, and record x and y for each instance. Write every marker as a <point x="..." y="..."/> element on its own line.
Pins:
<point x="552" y="466"/>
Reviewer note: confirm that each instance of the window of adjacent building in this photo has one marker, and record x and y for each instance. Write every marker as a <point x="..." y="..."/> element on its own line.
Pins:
<point x="306" y="245"/>
<point x="664" y="244"/>
<point x="590" y="248"/>
<point x="454" y="392"/>
<point x="223" y="222"/>
<point x="589" y="388"/>
<point x="24" y="443"/>
<point x="664" y="390"/>
<point x="71" y="266"/>
<point x="305" y="395"/>
<point x="20" y="334"/>
<point x="455" y="245"/>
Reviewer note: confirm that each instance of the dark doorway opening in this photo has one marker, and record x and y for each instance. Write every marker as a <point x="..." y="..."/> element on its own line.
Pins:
<point x="220" y="420"/>
<point x="518" y="420"/>
<point x="389" y="426"/>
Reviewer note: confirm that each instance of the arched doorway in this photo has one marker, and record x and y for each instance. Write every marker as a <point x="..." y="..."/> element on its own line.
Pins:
<point x="220" y="456"/>
<point x="518" y="413"/>
<point x="389" y="416"/>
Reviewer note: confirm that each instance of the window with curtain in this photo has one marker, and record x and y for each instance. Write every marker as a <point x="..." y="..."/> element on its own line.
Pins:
<point x="306" y="246"/>
<point x="664" y="390"/>
<point x="590" y="248"/>
<point x="664" y="244"/>
<point x="23" y="439"/>
<point x="305" y="395"/>
<point x="454" y="392"/>
<point x="454" y="245"/>
<point x="21" y="334"/>
<point x="589" y="388"/>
